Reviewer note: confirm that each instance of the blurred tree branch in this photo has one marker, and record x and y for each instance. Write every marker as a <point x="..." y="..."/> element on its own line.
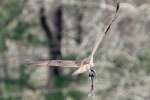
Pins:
<point x="54" y="37"/>
<point x="79" y="28"/>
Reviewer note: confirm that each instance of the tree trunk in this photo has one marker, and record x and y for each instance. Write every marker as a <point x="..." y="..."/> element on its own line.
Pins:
<point x="79" y="28"/>
<point x="54" y="36"/>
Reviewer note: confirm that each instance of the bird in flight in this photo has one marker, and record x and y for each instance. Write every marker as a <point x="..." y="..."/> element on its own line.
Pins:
<point x="81" y="65"/>
<point x="84" y="65"/>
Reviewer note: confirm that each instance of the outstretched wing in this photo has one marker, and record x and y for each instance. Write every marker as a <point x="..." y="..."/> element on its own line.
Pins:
<point x="81" y="70"/>
<point x="85" y="66"/>
<point x="102" y="38"/>
<point x="60" y="63"/>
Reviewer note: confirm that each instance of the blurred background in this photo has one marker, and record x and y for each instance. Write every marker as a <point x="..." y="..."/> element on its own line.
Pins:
<point x="67" y="29"/>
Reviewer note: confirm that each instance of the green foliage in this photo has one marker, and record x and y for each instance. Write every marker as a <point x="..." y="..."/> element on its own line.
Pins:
<point x="34" y="40"/>
<point x="60" y="95"/>
<point x="24" y="77"/>
<point x="2" y="43"/>
<point x="11" y="85"/>
<point x="55" y="96"/>
<point x="62" y="81"/>
<point x="76" y="95"/>
<point x="121" y="60"/>
<point x="144" y="60"/>
<point x="10" y="10"/>
<point x="60" y="84"/>
<point x="10" y="98"/>
<point x="18" y="32"/>
<point x="70" y="57"/>
<point x="17" y="85"/>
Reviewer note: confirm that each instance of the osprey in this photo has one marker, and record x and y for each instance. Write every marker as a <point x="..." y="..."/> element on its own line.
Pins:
<point x="81" y="65"/>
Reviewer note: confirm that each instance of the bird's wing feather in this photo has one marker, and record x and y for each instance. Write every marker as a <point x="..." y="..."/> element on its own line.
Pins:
<point x="102" y="38"/>
<point x="80" y="70"/>
<point x="60" y="63"/>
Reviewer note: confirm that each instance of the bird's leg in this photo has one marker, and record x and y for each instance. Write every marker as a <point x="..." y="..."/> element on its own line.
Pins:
<point x="92" y="74"/>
